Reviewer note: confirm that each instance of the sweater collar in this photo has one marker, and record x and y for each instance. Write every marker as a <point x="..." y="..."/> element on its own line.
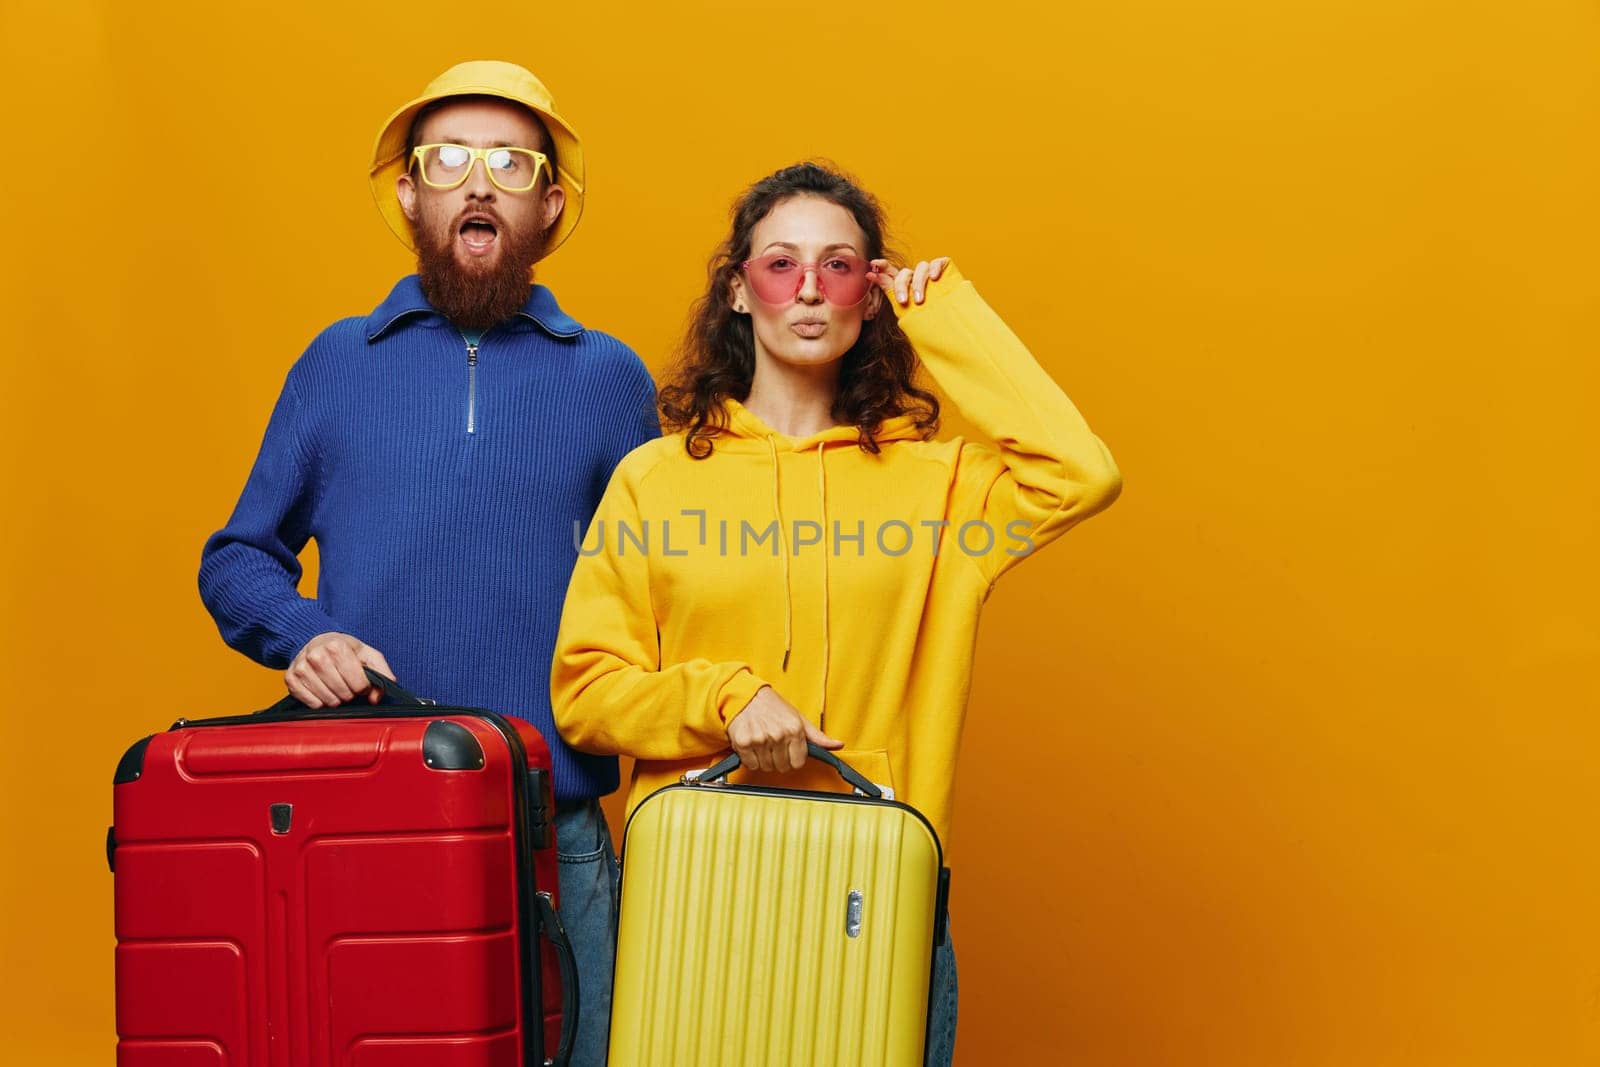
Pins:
<point x="406" y="302"/>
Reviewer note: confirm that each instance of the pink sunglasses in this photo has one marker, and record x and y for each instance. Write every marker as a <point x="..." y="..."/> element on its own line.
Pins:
<point x="778" y="278"/>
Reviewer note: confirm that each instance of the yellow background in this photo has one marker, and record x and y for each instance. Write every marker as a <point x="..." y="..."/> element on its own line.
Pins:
<point x="1289" y="758"/>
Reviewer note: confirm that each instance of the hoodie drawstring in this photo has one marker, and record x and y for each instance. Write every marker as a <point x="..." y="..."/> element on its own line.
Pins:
<point x="783" y="550"/>
<point x="783" y="547"/>
<point x="822" y="495"/>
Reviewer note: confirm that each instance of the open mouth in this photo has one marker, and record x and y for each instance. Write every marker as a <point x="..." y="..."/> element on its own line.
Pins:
<point x="478" y="234"/>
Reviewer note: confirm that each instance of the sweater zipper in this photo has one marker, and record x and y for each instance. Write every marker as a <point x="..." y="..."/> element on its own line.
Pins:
<point x="472" y="387"/>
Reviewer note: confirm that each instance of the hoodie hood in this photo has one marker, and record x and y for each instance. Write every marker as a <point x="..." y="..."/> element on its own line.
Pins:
<point x="745" y="433"/>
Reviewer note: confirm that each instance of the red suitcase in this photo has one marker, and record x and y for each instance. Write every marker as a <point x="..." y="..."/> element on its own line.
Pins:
<point x="363" y="886"/>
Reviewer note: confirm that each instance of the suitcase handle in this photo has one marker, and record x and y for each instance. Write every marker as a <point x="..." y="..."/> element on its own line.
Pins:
<point x="550" y="919"/>
<point x="392" y="690"/>
<point x="853" y="777"/>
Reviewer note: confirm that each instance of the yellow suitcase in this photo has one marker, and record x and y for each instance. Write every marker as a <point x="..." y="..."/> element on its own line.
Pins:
<point x="767" y="926"/>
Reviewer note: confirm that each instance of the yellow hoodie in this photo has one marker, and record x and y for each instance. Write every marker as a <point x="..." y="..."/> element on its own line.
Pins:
<point x="849" y="582"/>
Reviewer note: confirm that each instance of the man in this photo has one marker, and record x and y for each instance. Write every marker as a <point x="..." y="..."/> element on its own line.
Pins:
<point x="440" y="450"/>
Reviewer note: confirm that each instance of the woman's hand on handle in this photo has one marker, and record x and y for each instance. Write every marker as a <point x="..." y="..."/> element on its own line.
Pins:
<point x="770" y="734"/>
<point x="908" y="283"/>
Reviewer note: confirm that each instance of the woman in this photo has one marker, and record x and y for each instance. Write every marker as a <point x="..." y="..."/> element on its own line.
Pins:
<point x="799" y="560"/>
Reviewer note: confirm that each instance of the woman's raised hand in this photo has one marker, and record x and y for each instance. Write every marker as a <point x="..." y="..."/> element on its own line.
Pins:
<point x="907" y="283"/>
<point x="769" y="734"/>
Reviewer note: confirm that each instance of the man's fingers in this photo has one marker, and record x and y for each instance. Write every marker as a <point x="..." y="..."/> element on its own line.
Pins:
<point x="371" y="657"/>
<point x="317" y="680"/>
<point x="328" y="674"/>
<point x="312" y="692"/>
<point x="329" y="696"/>
<point x="348" y="663"/>
<point x="330" y="671"/>
<point x="323" y="663"/>
<point x="301" y="692"/>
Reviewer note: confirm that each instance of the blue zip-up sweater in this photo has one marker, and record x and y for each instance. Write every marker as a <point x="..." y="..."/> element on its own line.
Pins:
<point x="441" y="488"/>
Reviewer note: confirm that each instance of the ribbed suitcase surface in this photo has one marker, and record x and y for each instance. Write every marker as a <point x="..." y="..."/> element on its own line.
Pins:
<point x="766" y="926"/>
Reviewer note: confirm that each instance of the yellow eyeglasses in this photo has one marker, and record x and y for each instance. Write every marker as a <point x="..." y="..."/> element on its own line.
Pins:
<point x="514" y="170"/>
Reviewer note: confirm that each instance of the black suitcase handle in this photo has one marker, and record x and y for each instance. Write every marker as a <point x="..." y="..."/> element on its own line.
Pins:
<point x="550" y="919"/>
<point x="852" y="777"/>
<point x="394" y="693"/>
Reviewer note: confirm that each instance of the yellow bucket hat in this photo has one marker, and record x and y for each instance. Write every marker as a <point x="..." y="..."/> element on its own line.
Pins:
<point x="482" y="77"/>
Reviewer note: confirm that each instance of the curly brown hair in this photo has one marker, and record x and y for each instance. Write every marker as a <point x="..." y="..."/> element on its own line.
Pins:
<point x="717" y="358"/>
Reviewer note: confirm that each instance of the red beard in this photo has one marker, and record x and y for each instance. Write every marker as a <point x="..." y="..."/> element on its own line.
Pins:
<point x="475" y="296"/>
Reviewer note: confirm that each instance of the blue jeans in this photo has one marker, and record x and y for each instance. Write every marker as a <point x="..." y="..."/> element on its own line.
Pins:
<point x="589" y="912"/>
<point x="942" y="1007"/>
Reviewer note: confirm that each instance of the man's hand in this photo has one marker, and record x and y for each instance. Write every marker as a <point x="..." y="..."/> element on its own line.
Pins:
<point x="769" y="734"/>
<point x="329" y="671"/>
